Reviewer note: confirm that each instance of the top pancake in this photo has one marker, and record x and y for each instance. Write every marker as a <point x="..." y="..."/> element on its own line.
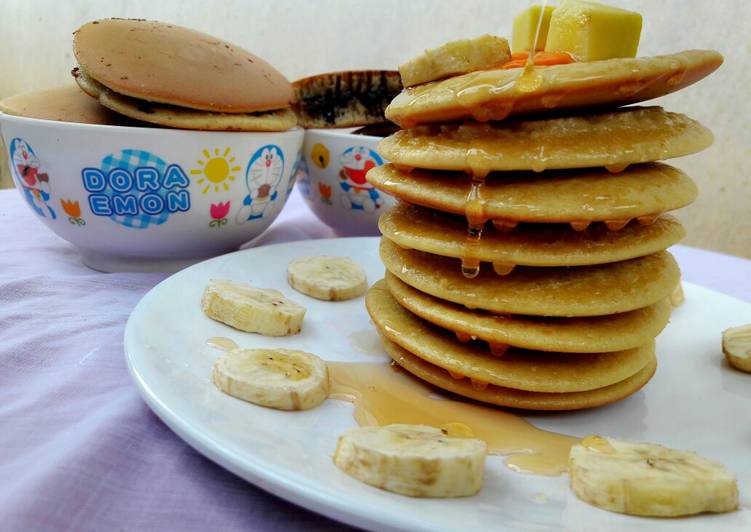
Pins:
<point x="169" y="64"/>
<point x="62" y="104"/>
<point x="614" y="139"/>
<point x="494" y="94"/>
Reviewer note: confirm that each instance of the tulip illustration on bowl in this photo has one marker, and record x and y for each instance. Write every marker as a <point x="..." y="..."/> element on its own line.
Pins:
<point x="325" y="191"/>
<point x="219" y="212"/>
<point x="73" y="209"/>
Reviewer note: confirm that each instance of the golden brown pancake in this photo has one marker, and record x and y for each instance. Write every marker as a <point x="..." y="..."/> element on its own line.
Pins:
<point x="564" y="292"/>
<point x="560" y="196"/>
<point x="169" y="64"/>
<point x="596" y="334"/>
<point x="62" y="104"/>
<point x="435" y="232"/>
<point x="345" y="99"/>
<point x="177" y="77"/>
<point x="183" y="117"/>
<point x="614" y="139"/>
<point x="535" y="371"/>
<point x="512" y="398"/>
<point x="495" y="94"/>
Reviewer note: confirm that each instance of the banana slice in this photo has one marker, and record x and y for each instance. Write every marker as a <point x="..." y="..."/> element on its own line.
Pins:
<point x="414" y="460"/>
<point x="276" y="378"/>
<point x="648" y="479"/>
<point x="736" y="344"/>
<point x="327" y="278"/>
<point x="251" y="309"/>
<point x="454" y="58"/>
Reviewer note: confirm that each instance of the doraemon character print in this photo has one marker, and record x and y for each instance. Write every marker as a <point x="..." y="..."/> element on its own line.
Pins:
<point x="358" y="193"/>
<point x="262" y="177"/>
<point x="34" y="183"/>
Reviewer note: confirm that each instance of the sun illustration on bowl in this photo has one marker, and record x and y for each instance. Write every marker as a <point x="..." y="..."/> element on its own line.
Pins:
<point x="216" y="170"/>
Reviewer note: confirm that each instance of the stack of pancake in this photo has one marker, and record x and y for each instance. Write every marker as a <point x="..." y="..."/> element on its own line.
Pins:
<point x="526" y="263"/>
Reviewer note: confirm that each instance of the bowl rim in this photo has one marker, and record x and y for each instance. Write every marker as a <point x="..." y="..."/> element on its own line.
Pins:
<point x="153" y="130"/>
<point x="344" y="133"/>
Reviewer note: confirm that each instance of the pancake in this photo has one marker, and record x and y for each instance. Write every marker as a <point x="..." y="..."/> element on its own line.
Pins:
<point x="168" y="64"/>
<point x="345" y="99"/>
<point x="183" y="117"/>
<point x="597" y="334"/>
<point x="512" y="398"/>
<point x="62" y="104"/>
<point x="614" y="139"/>
<point x="561" y="196"/>
<point x="520" y="369"/>
<point x="529" y="244"/>
<point x="564" y="292"/>
<point x="495" y="94"/>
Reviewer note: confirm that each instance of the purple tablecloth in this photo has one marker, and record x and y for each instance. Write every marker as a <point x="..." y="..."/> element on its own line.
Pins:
<point x="79" y="450"/>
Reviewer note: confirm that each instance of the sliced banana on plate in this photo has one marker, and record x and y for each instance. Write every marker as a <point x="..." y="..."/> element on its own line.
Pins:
<point x="649" y="480"/>
<point x="736" y="344"/>
<point x="250" y="309"/>
<point x="327" y="278"/>
<point x="276" y="378"/>
<point x="414" y="460"/>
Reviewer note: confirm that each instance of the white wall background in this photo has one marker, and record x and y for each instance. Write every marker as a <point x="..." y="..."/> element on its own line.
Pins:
<point x="309" y="37"/>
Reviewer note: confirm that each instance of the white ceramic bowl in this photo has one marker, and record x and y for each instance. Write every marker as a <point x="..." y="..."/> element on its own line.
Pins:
<point x="333" y="181"/>
<point x="141" y="198"/>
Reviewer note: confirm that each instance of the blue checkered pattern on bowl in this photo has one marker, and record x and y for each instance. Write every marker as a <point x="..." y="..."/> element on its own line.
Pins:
<point x="130" y="160"/>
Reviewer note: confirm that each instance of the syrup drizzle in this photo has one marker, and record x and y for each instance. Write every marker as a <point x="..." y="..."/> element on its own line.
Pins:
<point x="383" y="394"/>
<point x="475" y="213"/>
<point x="479" y="162"/>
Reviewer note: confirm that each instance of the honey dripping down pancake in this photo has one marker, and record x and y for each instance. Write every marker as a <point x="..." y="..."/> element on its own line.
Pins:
<point x="382" y="394"/>
<point x="613" y="139"/>
<point x="614" y="332"/>
<point x="575" y="197"/>
<point x="561" y="196"/>
<point x="444" y="234"/>
<point x="511" y="398"/>
<point x="565" y="292"/>
<point x="533" y="371"/>
<point x="497" y="94"/>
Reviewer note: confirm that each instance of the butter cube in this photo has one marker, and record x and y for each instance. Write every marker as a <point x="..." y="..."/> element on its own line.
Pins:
<point x="591" y="31"/>
<point x="525" y="26"/>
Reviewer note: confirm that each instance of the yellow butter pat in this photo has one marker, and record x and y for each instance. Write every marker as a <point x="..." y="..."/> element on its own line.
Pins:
<point x="525" y="26"/>
<point x="591" y="31"/>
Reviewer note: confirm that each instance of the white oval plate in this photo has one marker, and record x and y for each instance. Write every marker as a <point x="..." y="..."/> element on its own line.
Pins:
<point x="695" y="401"/>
